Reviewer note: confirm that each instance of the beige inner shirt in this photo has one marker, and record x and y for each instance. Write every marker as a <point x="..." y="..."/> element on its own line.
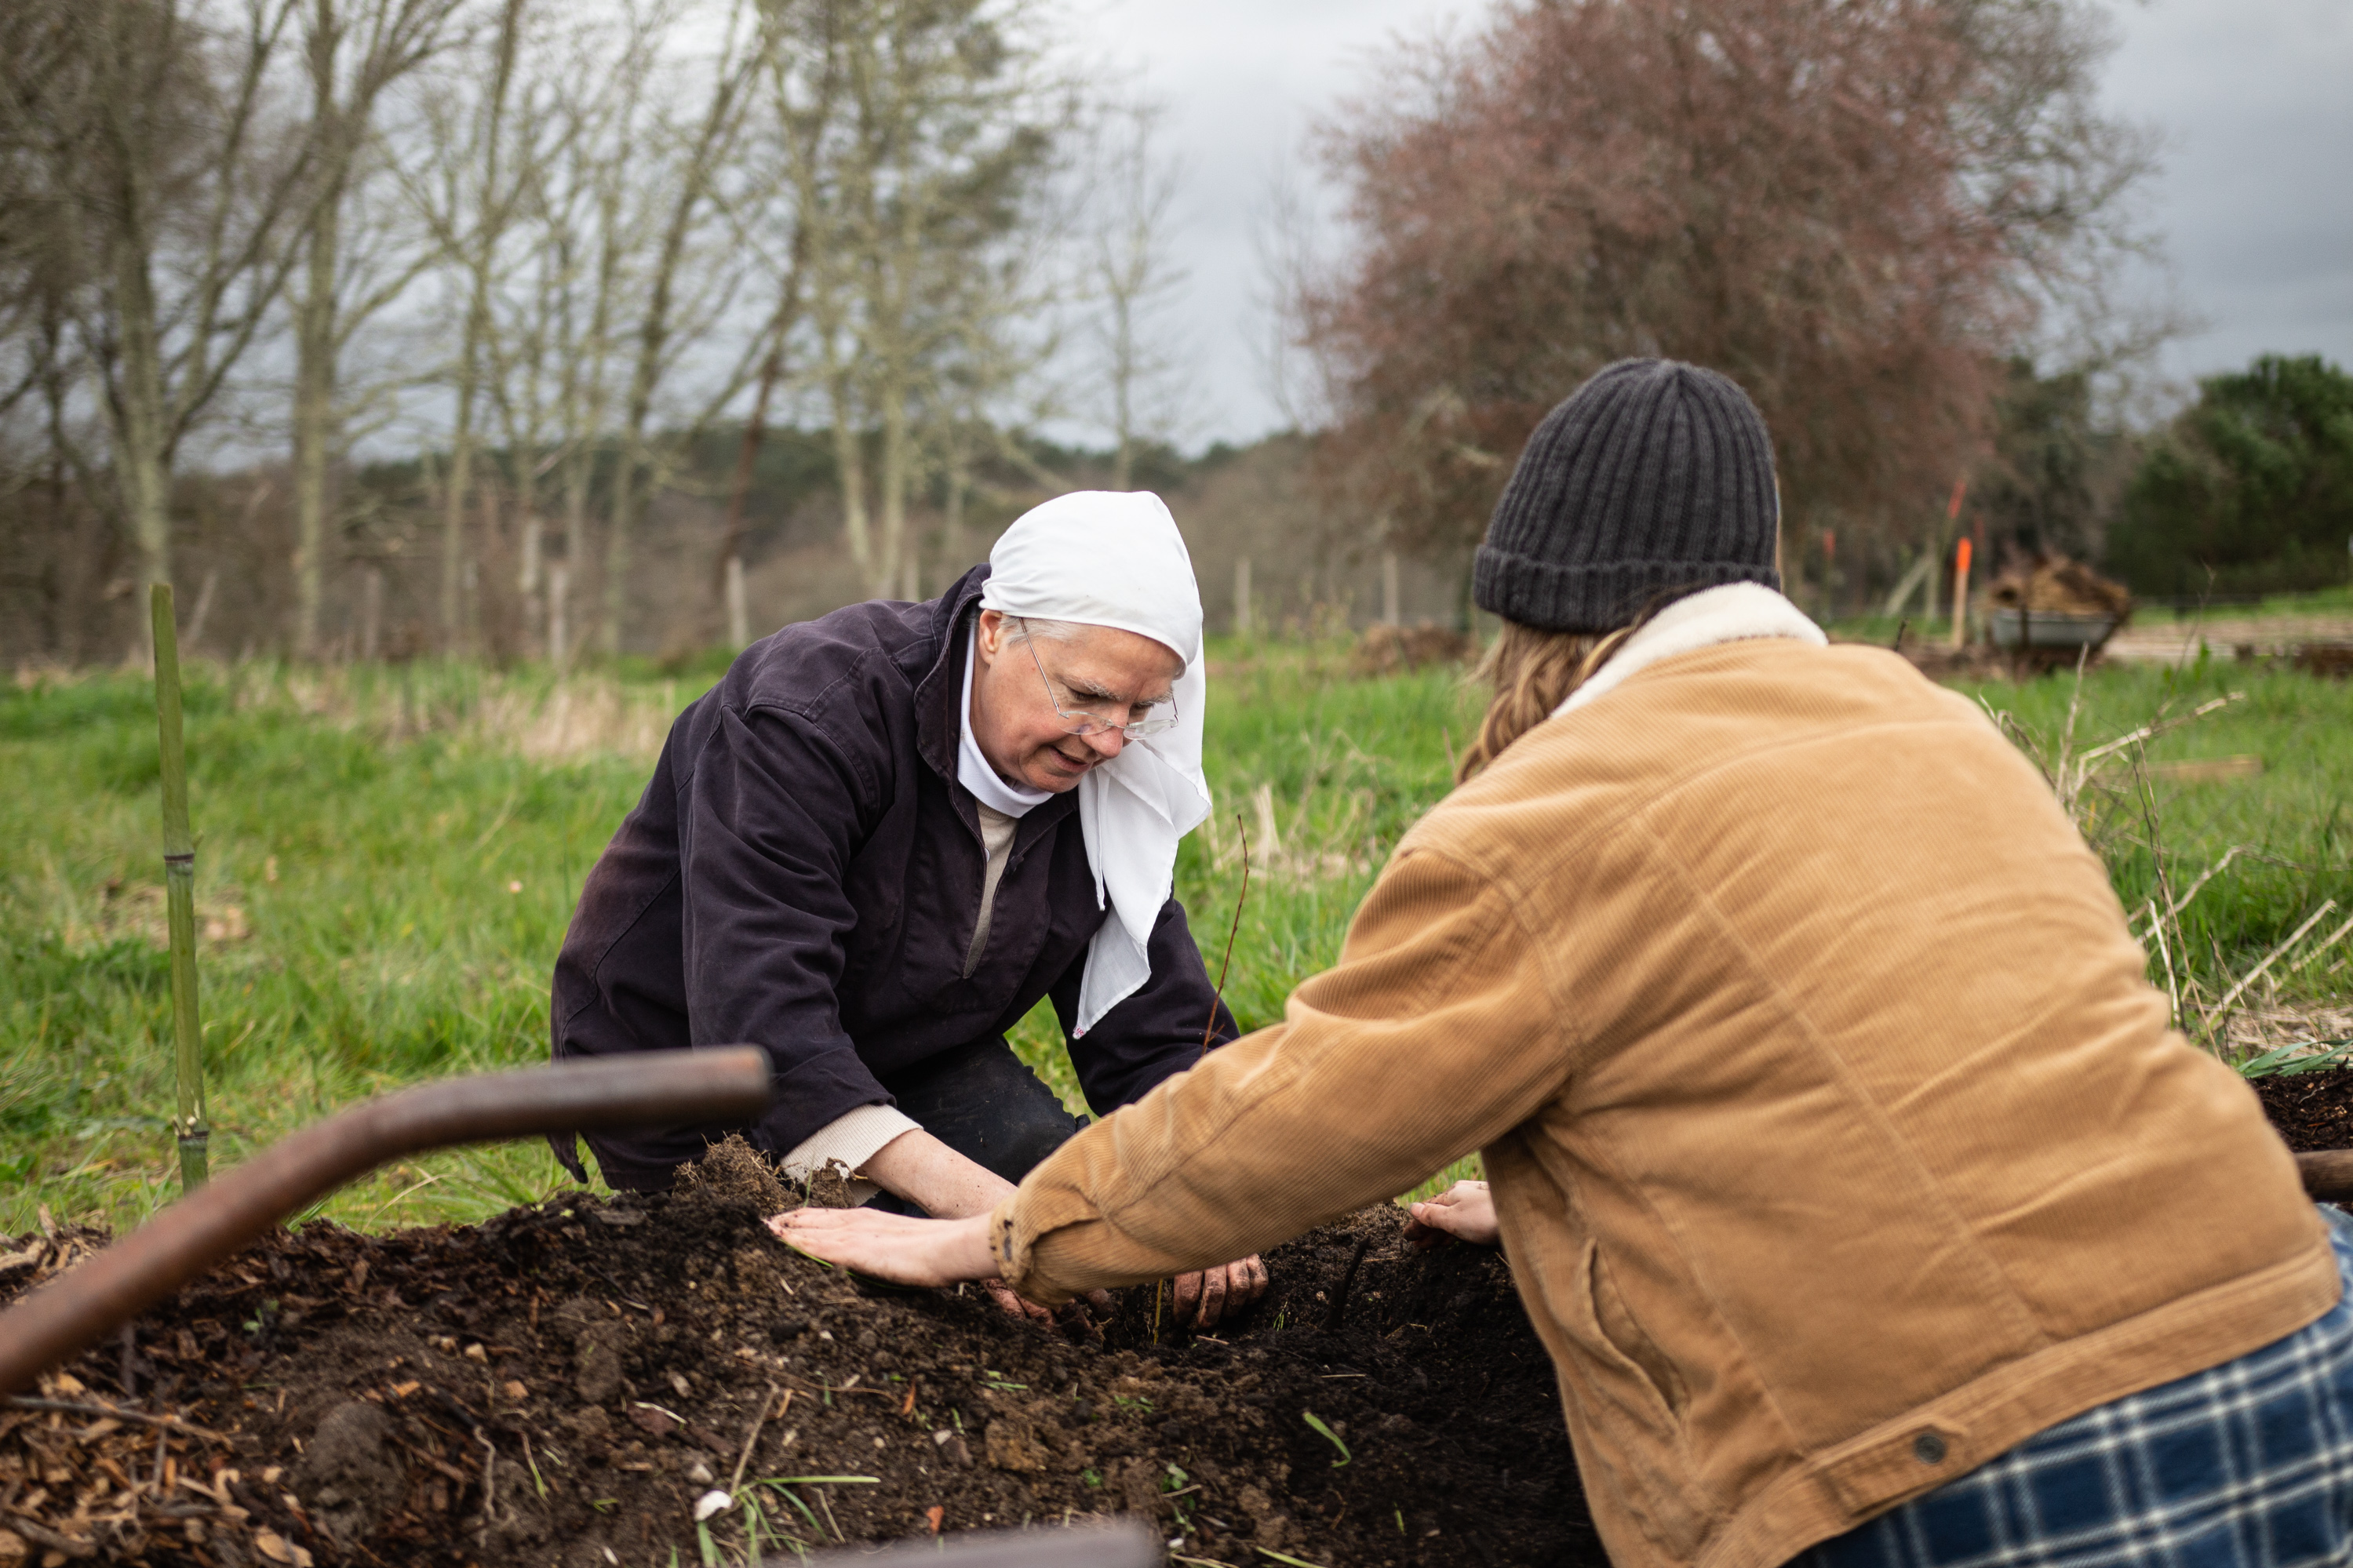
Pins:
<point x="996" y="838"/>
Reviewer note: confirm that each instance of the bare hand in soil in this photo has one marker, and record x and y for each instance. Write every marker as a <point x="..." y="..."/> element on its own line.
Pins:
<point x="896" y="1247"/>
<point x="1017" y="1305"/>
<point x="1220" y="1292"/>
<point x="1079" y="1319"/>
<point x="1465" y="1211"/>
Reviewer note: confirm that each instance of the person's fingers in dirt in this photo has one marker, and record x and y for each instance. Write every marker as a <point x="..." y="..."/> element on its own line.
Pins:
<point x="1423" y="1237"/>
<point x="1247" y="1278"/>
<point x="1183" y="1295"/>
<point x="1017" y="1306"/>
<point x="1465" y="1211"/>
<point x="1078" y="1323"/>
<point x="897" y="1248"/>
<point x="1213" y="1299"/>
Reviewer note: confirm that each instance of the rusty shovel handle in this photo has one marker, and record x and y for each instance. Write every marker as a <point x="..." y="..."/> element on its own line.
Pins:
<point x="88" y="1302"/>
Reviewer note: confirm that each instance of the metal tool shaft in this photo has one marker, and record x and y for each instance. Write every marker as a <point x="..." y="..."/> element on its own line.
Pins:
<point x="97" y="1297"/>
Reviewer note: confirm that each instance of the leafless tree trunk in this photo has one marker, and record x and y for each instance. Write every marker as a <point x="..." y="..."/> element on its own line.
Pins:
<point x="1130" y="271"/>
<point x="392" y="37"/>
<point x="476" y="247"/>
<point x="747" y="456"/>
<point x="739" y="61"/>
<point x="912" y="193"/>
<point x="180" y="189"/>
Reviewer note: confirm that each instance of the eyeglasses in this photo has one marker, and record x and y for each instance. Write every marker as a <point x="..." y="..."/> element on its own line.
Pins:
<point x="1162" y="719"/>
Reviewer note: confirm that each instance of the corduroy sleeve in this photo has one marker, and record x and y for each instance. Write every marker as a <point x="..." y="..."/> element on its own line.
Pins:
<point x="1435" y="1033"/>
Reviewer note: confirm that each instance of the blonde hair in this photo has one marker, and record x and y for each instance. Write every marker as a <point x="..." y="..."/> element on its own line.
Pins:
<point x="1532" y="673"/>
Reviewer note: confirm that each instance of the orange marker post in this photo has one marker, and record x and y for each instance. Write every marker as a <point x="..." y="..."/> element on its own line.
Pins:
<point x="1961" y="593"/>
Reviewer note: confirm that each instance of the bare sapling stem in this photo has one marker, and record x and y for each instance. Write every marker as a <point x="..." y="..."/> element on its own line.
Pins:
<point x="2172" y="988"/>
<point x="1218" y="1000"/>
<point x="180" y="896"/>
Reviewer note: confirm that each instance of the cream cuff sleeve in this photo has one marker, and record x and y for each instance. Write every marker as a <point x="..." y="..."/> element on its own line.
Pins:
<point x="849" y="1140"/>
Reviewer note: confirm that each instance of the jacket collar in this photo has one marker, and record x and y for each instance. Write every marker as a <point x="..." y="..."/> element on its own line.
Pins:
<point x="1735" y="612"/>
<point x="938" y="726"/>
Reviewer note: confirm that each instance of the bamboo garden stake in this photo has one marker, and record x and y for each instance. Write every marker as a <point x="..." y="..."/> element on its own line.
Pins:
<point x="180" y="894"/>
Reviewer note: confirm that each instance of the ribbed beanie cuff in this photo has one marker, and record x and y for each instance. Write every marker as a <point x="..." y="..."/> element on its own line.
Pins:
<point x="1652" y="480"/>
<point x="1600" y="598"/>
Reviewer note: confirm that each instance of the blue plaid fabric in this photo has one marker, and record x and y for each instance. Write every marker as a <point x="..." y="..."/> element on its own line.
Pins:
<point x="2247" y="1465"/>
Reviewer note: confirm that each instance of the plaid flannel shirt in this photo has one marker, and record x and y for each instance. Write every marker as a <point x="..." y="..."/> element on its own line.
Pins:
<point x="2246" y="1465"/>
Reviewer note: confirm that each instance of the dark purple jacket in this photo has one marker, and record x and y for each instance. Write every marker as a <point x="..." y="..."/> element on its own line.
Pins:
<point x="803" y="874"/>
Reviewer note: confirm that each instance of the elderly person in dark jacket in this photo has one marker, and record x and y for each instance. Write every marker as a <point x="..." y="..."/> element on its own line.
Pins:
<point x="884" y="836"/>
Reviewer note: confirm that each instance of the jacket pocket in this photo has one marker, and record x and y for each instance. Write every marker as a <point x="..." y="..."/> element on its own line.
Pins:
<point x="1617" y="1326"/>
<point x="1634" y="1401"/>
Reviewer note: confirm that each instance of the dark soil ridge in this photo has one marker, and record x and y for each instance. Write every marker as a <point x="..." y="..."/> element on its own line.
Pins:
<point x="562" y="1384"/>
<point x="2313" y="1110"/>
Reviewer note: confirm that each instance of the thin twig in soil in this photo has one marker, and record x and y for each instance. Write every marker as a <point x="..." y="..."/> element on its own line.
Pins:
<point x="1218" y="1000"/>
<point x="1340" y="1296"/>
<point x="117" y="1413"/>
<point x="752" y="1439"/>
<point x="822" y="1393"/>
<point x="41" y="1535"/>
<point x="489" y="1489"/>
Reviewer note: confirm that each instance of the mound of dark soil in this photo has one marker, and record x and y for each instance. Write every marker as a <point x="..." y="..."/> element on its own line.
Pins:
<point x="2313" y="1110"/>
<point x="565" y="1383"/>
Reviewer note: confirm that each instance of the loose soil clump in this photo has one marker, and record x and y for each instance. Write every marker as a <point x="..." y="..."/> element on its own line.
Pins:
<point x="2313" y="1110"/>
<point x="569" y="1383"/>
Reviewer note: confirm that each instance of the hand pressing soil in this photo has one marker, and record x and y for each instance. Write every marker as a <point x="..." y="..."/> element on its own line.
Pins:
<point x="574" y="1382"/>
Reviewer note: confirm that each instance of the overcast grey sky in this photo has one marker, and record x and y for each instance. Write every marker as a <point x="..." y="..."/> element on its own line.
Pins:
<point x="2255" y="200"/>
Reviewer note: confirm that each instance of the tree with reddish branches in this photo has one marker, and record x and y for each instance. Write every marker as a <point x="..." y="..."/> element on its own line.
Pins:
<point x="1853" y="207"/>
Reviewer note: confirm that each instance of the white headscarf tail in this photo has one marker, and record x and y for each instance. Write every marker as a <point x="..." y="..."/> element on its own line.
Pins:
<point x="1106" y="558"/>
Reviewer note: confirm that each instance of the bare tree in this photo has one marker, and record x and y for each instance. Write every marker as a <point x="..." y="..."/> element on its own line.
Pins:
<point x="946" y="123"/>
<point x="354" y="53"/>
<point x="1131" y="273"/>
<point x="464" y="190"/>
<point x="175" y="180"/>
<point x="1854" y="211"/>
<point x="689" y="171"/>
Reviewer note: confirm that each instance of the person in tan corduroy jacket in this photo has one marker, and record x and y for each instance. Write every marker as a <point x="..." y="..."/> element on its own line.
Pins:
<point x="1838" y="1142"/>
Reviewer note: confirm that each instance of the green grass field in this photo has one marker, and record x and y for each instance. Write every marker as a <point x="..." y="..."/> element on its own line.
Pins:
<point x="388" y="857"/>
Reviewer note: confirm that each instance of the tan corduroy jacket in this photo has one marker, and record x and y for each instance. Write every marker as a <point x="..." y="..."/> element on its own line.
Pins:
<point x="1838" y="1139"/>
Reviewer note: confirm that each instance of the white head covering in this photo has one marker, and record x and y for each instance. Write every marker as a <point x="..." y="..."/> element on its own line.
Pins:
<point x="1111" y="559"/>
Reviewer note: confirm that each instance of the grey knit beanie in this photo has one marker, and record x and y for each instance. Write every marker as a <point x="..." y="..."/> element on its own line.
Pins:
<point x="1654" y="480"/>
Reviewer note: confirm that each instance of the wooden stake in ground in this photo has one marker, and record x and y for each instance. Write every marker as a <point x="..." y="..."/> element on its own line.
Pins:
<point x="1961" y="593"/>
<point x="180" y="894"/>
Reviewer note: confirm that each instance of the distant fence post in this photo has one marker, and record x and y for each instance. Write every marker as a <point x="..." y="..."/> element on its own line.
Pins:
<point x="739" y="607"/>
<point x="1390" y="587"/>
<point x="1241" y="596"/>
<point x="1961" y="593"/>
<point x="371" y="613"/>
<point x="559" y="606"/>
<point x="180" y="894"/>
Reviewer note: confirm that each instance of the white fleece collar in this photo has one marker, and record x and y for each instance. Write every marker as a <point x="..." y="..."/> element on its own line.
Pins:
<point x="1735" y="612"/>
